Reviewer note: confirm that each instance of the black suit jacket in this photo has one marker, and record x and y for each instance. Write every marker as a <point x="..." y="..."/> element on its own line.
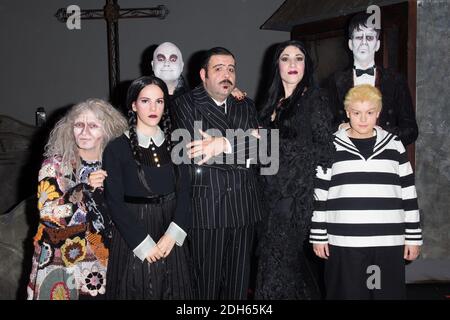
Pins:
<point x="397" y="115"/>
<point x="224" y="195"/>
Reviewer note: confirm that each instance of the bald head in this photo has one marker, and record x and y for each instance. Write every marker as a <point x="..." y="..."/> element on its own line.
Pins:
<point x="167" y="63"/>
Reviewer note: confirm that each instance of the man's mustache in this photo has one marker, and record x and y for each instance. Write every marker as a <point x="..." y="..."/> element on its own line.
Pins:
<point x="226" y="81"/>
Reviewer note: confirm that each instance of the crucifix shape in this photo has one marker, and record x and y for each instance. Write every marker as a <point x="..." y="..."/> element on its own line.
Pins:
<point x="111" y="12"/>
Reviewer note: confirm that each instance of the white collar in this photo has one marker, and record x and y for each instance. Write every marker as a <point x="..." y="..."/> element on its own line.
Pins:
<point x="343" y="134"/>
<point x="144" y="141"/>
<point x="220" y="103"/>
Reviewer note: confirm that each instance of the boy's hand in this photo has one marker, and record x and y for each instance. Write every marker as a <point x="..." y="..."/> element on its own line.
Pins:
<point x="321" y="250"/>
<point x="411" y="252"/>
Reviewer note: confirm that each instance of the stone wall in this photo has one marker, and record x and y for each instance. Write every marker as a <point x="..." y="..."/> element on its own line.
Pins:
<point x="433" y="144"/>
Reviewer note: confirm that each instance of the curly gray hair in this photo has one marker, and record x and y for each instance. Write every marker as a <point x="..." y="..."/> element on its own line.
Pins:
<point x="61" y="141"/>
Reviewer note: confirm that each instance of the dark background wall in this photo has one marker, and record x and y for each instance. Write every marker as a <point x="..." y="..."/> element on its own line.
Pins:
<point x="44" y="64"/>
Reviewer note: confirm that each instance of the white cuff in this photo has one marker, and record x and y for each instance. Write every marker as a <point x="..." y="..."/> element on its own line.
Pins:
<point x="228" y="148"/>
<point x="176" y="233"/>
<point x="144" y="247"/>
<point x="412" y="242"/>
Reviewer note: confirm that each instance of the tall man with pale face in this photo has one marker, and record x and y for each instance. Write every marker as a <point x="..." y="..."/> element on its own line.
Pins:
<point x="397" y="115"/>
<point x="364" y="43"/>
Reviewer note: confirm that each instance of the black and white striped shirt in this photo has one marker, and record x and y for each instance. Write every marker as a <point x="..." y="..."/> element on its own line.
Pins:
<point x="366" y="202"/>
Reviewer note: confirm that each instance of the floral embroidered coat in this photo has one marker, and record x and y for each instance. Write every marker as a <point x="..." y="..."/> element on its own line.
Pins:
<point x="71" y="254"/>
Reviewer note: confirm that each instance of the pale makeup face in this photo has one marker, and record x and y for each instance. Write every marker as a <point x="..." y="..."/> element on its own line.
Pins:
<point x="167" y="62"/>
<point x="221" y="78"/>
<point x="292" y="65"/>
<point x="89" y="134"/>
<point x="364" y="44"/>
<point x="363" y="117"/>
<point x="149" y="108"/>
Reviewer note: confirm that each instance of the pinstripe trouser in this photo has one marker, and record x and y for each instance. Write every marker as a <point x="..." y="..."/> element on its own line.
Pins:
<point x="222" y="260"/>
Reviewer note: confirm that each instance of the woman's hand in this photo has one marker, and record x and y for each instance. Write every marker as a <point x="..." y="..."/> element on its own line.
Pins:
<point x="96" y="178"/>
<point x="238" y="94"/>
<point x="166" y="244"/>
<point x="154" y="254"/>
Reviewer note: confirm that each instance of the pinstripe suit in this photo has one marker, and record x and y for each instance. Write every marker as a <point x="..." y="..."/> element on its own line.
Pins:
<point x="225" y="201"/>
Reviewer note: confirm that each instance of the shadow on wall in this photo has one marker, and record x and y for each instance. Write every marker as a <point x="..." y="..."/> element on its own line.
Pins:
<point x="193" y="65"/>
<point x="119" y="96"/>
<point x="265" y="75"/>
<point x="146" y="60"/>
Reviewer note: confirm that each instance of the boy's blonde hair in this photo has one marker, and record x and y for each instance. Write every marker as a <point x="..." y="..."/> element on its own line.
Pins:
<point x="364" y="92"/>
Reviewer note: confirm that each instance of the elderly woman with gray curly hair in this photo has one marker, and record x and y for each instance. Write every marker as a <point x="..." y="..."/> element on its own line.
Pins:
<point x="71" y="243"/>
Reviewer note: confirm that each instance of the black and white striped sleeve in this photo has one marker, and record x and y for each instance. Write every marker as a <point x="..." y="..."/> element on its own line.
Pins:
<point x="318" y="233"/>
<point x="413" y="232"/>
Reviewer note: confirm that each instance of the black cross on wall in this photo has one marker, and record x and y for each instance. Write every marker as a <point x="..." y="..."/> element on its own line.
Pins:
<point x="111" y="12"/>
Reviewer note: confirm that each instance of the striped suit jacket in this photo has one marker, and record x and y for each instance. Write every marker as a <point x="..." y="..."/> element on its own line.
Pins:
<point x="366" y="202"/>
<point x="223" y="195"/>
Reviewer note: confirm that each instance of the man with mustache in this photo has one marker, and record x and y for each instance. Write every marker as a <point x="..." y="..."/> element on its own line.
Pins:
<point x="168" y="64"/>
<point x="225" y="202"/>
<point x="397" y="115"/>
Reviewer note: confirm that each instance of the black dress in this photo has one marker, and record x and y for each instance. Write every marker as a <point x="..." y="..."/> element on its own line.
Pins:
<point x="305" y="141"/>
<point x="127" y="276"/>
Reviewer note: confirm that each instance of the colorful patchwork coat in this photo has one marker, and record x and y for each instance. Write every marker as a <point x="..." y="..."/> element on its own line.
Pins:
<point x="71" y="244"/>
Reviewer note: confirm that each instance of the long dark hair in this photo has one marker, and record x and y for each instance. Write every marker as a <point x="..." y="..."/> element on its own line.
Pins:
<point x="165" y="122"/>
<point x="276" y="89"/>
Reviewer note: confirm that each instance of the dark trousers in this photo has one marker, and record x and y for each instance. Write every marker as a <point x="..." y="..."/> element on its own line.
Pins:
<point x="222" y="260"/>
<point x="375" y="273"/>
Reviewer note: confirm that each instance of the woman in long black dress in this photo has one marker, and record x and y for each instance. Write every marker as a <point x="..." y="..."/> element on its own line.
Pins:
<point x="149" y="201"/>
<point x="300" y="111"/>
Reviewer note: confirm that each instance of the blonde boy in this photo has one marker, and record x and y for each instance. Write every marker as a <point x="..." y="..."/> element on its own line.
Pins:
<point x="366" y="218"/>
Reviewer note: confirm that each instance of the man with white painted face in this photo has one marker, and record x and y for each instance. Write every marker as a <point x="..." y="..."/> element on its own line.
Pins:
<point x="397" y="115"/>
<point x="225" y="201"/>
<point x="168" y="64"/>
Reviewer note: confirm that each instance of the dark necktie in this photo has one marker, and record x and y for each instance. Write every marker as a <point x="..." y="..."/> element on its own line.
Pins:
<point x="369" y="71"/>
<point x="222" y="107"/>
